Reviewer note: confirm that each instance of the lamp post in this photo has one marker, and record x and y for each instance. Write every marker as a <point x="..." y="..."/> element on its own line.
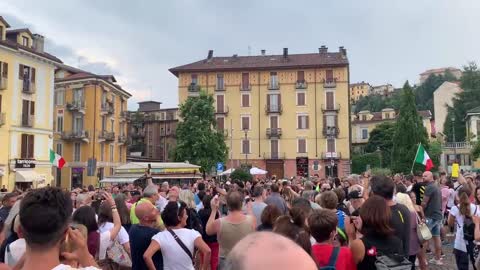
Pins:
<point x="454" y="143"/>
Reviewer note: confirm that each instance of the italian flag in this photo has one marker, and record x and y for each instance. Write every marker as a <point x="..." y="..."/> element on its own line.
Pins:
<point x="56" y="160"/>
<point x="422" y="157"/>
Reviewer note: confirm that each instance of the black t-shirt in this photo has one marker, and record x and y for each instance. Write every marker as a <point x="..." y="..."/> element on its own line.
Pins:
<point x="140" y="238"/>
<point x="400" y="223"/>
<point x="204" y="214"/>
<point x="374" y="245"/>
<point x="419" y="190"/>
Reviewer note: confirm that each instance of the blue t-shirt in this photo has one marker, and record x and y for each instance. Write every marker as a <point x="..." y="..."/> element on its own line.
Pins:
<point x="140" y="238"/>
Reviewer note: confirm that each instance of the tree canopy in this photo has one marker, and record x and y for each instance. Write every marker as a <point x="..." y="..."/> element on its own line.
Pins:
<point x="198" y="140"/>
<point x="381" y="139"/>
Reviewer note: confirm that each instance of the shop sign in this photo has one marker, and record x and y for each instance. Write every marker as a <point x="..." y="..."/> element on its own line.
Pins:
<point x="24" y="163"/>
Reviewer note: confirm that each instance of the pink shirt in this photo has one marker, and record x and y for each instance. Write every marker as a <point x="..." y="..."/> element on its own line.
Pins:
<point x="445" y="195"/>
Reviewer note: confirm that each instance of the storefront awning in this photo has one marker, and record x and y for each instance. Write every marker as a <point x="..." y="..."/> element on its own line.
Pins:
<point x="118" y="180"/>
<point x="27" y="177"/>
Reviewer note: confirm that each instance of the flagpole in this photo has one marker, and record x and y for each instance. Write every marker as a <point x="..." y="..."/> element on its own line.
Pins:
<point x="415" y="158"/>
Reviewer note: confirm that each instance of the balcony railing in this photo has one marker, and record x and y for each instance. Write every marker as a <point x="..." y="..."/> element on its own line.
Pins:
<point x="107" y="108"/>
<point x="194" y="88"/>
<point x="330" y="107"/>
<point x="222" y="110"/>
<point x="122" y="139"/>
<point x="28" y="87"/>
<point x="458" y="145"/>
<point x="245" y="87"/>
<point x="3" y="119"/>
<point x="3" y="83"/>
<point x="331" y="132"/>
<point x="301" y="84"/>
<point x="273" y="108"/>
<point x="274" y="132"/>
<point x="331" y="155"/>
<point x="106" y="135"/>
<point x="75" y="135"/>
<point x="273" y="86"/>
<point x="27" y="120"/>
<point x="330" y="83"/>
<point x="274" y="155"/>
<point x="125" y="115"/>
<point x="76" y="105"/>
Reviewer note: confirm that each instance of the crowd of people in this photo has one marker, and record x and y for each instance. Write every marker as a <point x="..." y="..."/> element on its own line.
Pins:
<point x="360" y="222"/>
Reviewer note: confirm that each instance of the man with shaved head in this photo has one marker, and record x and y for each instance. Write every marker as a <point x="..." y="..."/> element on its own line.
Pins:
<point x="141" y="235"/>
<point x="266" y="250"/>
<point x="432" y="206"/>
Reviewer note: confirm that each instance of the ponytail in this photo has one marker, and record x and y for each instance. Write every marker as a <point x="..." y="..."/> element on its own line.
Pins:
<point x="464" y="205"/>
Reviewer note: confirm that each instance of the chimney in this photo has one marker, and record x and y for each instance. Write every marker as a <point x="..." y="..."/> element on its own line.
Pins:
<point x="38" y="43"/>
<point x="285" y="53"/>
<point x="263" y="52"/>
<point x="343" y="51"/>
<point x="210" y="54"/>
<point x="323" y="49"/>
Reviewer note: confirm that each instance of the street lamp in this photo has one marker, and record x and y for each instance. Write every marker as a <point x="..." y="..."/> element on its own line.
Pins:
<point x="453" y="135"/>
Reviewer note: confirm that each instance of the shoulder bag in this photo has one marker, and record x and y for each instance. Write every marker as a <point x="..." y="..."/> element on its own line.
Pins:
<point x="182" y="245"/>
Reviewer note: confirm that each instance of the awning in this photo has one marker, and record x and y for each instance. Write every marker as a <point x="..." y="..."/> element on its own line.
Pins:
<point x="118" y="180"/>
<point x="27" y="177"/>
<point x="177" y="177"/>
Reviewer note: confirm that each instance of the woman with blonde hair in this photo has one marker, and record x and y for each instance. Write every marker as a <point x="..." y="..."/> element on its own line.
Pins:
<point x="193" y="221"/>
<point x="415" y="248"/>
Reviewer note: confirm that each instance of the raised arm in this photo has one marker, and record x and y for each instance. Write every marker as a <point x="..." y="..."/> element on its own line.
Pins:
<point x="117" y="223"/>
<point x="147" y="256"/>
<point x="212" y="224"/>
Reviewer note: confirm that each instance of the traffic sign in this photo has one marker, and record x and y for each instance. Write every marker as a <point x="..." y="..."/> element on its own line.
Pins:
<point x="219" y="167"/>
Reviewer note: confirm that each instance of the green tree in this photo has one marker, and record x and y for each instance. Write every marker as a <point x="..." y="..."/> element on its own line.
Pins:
<point x="242" y="174"/>
<point x="424" y="92"/>
<point x="476" y="150"/>
<point x="360" y="162"/>
<point x="409" y="131"/>
<point x="463" y="102"/>
<point x="198" y="140"/>
<point x="381" y="139"/>
<point x="435" y="151"/>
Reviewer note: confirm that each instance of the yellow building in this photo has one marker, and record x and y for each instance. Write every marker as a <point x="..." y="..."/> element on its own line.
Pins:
<point x="365" y="121"/>
<point x="283" y="113"/>
<point x="90" y="116"/>
<point x="26" y="108"/>
<point x="358" y="90"/>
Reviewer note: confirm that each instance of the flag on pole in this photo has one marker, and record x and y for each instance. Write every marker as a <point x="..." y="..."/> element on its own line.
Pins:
<point x="56" y="160"/>
<point x="422" y="157"/>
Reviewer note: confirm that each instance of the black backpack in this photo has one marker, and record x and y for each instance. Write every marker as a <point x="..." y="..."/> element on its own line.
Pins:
<point x="469" y="228"/>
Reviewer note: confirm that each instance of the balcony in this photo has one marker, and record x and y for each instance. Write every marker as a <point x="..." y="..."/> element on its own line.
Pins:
<point x="301" y="85"/>
<point x="330" y="107"/>
<point x="106" y="109"/>
<point x="274" y="155"/>
<point x="106" y="136"/>
<point x="330" y="83"/>
<point x="76" y="135"/>
<point x="245" y="87"/>
<point x="28" y="87"/>
<point x="122" y="139"/>
<point x="222" y="110"/>
<point x="124" y="116"/>
<point x="27" y="120"/>
<point x="331" y="155"/>
<point x="3" y="83"/>
<point x="274" y="133"/>
<point x="76" y="105"/>
<point x="458" y="145"/>
<point x="220" y="87"/>
<point x="224" y="132"/>
<point x="194" y="88"/>
<point x="3" y="118"/>
<point x="273" y="86"/>
<point x="137" y="134"/>
<point x="331" y="132"/>
<point x="273" y="108"/>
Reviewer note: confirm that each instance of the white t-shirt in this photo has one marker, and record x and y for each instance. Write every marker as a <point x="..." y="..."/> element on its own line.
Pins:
<point x="451" y="198"/>
<point x="68" y="267"/>
<point x="459" y="241"/>
<point x="105" y="242"/>
<point x="174" y="257"/>
<point x="122" y="236"/>
<point x="15" y="251"/>
<point x="161" y="203"/>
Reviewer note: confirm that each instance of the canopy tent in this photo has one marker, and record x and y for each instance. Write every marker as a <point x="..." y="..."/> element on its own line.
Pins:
<point x="256" y="171"/>
<point x="119" y="180"/>
<point x="228" y="172"/>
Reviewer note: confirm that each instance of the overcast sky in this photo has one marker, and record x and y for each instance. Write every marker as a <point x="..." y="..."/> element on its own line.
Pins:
<point x="137" y="41"/>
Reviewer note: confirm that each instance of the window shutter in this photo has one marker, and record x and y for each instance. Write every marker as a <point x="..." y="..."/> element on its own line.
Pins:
<point x="5" y="70"/>
<point x="300" y="76"/>
<point x="329" y="75"/>
<point x="302" y="146"/>
<point x="23" y="150"/>
<point x="0" y="103"/>
<point x="299" y="122"/>
<point x="32" y="107"/>
<point x="301" y="99"/>
<point x="324" y="123"/>
<point x="245" y="80"/>
<point x="245" y="123"/>
<point x="330" y="101"/>
<point x="32" y="78"/>
<point x="331" y="145"/>
<point x="220" y="123"/>
<point x="245" y="100"/>
<point x="220" y="103"/>
<point x="268" y="101"/>
<point x="306" y="122"/>
<point x="31" y="145"/>
<point x="279" y="101"/>
<point x="20" y="72"/>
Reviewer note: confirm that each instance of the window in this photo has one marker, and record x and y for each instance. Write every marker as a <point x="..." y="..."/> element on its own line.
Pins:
<point x="330" y="100"/>
<point x="120" y="154"/>
<point x="273" y="80"/>
<point x="300" y="76"/>
<point x="302" y="122"/>
<point x="274" y="122"/>
<point x="112" y="127"/>
<point x="59" y="149"/>
<point x="364" y="118"/>
<point x="102" y="152"/>
<point x="25" y="41"/>
<point x="59" y="123"/>
<point x="194" y="79"/>
<point x="274" y="148"/>
<point x="0" y="103"/>
<point x="220" y="103"/>
<point x="245" y="146"/>
<point x="302" y="145"/>
<point x="329" y="75"/>
<point x="364" y="134"/>
<point x="301" y="99"/>
<point x="1" y="32"/>
<point x="77" y="95"/>
<point x="245" y="81"/>
<point x="245" y="122"/>
<point x="111" y="170"/>
<point x="245" y="100"/>
<point x="59" y="98"/>
<point x="478" y="128"/>
<point x="111" y="153"/>
<point x="104" y="98"/>
<point x="28" y="146"/>
<point x="122" y="129"/>
<point x="78" y="123"/>
<point x="26" y="73"/>
<point x="330" y="145"/>
<point x="3" y="71"/>
<point x="220" y="123"/>
<point x="28" y="111"/>
<point x="76" y="152"/>
<point x="220" y="84"/>
<point x="274" y="102"/>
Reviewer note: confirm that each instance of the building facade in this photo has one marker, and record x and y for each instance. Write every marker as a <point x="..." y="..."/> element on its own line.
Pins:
<point x="26" y="108"/>
<point x="288" y="114"/>
<point x="90" y="126"/>
<point x="457" y="73"/>
<point x="153" y="132"/>
<point x="383" y="90"/>
<point x="358" y="90"/>
<point x="442" y="98"/>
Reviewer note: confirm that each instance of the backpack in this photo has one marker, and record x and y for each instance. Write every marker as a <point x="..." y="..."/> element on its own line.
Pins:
<point x="332" y="261"/>
<point x="469" y="227"/>
<point x="193" y="221"/>
<point x="392" y="262"/>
